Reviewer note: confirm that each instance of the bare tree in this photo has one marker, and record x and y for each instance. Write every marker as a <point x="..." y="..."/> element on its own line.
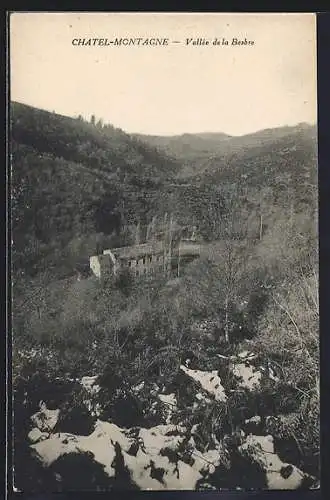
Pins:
<point x="233" y="267"/>
<point x="137" y="240"/>
<point x="151" y="228"/>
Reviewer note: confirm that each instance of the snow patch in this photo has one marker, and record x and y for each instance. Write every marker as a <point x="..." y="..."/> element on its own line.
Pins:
<point x="209" y="381"/>
<point x="154" y="444"/>
<point x="249" y="377"/>
<point x="247" y="355"/>
<point x="37" y="435"/>
<point x="101" y="443"/>
<point x="168" y="399"/>
<point x="279" y="475"/>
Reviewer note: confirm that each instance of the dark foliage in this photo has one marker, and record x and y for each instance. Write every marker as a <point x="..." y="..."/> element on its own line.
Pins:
<point x="79" y="471"/>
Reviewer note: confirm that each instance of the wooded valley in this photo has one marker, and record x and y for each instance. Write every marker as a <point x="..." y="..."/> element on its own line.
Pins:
<point x="246" y="311"/>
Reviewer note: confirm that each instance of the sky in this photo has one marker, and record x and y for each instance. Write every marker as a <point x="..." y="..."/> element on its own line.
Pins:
<point x="173" y="89"/>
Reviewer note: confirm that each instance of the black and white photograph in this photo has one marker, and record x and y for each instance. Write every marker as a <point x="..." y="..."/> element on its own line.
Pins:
<point x="164" y="251"/>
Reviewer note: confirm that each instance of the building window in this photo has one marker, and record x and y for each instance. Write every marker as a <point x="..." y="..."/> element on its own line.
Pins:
<point x="150" y="258"/>
<point x="137" y="261"/>
<point x="144" y="260"/>
<point x="144" y="271"/>
<point x="129" y="263"/>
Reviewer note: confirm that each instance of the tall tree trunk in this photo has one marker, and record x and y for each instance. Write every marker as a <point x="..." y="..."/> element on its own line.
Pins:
<point x="138" y="234"/>
<point x="148" y="233"/>
<point x="169" y="250"/>
<point x="164" y="241"/>
<point x="291" y="214"/>
<point x="226" y="322"/>
<point x="179" y="256"/>
<point x="260" y="227"/>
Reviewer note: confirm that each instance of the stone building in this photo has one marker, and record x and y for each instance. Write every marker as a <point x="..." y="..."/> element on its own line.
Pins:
<point x="143" y="260"/>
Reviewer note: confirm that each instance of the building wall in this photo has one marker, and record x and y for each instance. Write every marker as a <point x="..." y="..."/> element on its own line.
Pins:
<point x="94" y="264"/>
<point x="148" y="264"/>
<point x="101" y="265"/>
<point x="115" y="264"/>
<point x="188" y="247"/>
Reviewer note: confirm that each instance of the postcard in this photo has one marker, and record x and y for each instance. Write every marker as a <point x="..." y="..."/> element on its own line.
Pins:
<point x="164" y="206"/>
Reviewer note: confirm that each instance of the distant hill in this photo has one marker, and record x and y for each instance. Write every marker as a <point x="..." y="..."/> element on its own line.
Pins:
<point x="275" y="169"/>
<point x="196" y="151"/>
<point x="281" y="148"/>
<point x="186" y="146"/>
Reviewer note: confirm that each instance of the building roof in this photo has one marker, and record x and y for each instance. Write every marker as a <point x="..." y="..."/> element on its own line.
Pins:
<point x="187" y="247"/>
<point x="137" y="251"/>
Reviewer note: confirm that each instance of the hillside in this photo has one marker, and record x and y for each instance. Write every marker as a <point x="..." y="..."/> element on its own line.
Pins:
<point x="95" y="145"/>
<point x="273" y="177"/>
<point x="283" y="150"/>
<point x="72" y="178"/>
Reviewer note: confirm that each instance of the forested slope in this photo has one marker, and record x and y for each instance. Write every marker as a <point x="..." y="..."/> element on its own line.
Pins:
<point x="75" y="179"/>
